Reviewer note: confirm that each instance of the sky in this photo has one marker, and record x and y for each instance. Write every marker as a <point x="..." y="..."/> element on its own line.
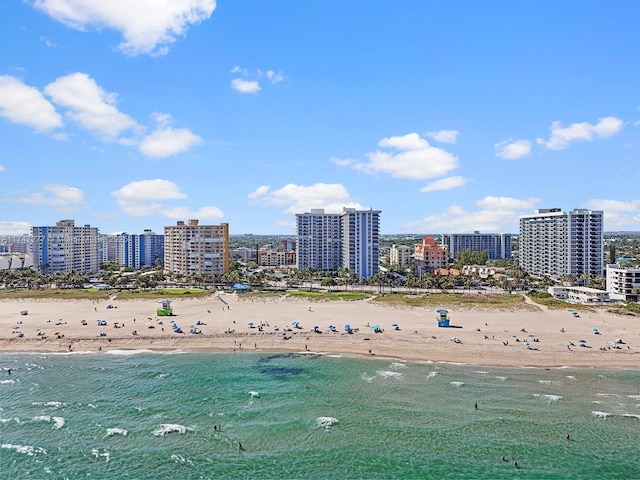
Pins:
<point x="448" y="117"/>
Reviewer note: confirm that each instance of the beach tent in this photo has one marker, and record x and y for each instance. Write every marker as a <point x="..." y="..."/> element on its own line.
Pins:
<point x="347" y="328"/>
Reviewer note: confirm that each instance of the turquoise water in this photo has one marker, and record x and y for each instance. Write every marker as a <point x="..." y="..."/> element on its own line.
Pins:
<point x="152" y="415"/>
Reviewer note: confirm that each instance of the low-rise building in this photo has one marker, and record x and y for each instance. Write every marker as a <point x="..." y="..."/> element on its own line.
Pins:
<point x="623" y="283"/>
<point x="584" y="295"/>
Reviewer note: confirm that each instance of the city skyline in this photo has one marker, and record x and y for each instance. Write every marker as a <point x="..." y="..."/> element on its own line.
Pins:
<point x="449" y="118"/>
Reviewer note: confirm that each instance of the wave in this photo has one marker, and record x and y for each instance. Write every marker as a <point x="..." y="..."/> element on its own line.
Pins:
<point x="601" y="414"/>
<point x="128" y="352"/>
<point x="254" y="394"/>
<point x="7" y="381"/>
<point x="481" y="372"/>
<point x="168" y="428"/>
<point x="634" y="397"/>
<point x="397" y="365"/>
<point x="430" y="375"/>
<point x="502" y="378"/>
<point x="179" y="458"/>
<point x="367" y="378"/>
<point x="457" y="384"/>
<point x="571" y="377"/>
<point x="548" y="382"/>
<point x="97" y="454"/>
<point x="325" y="422"/>
<point x="630" y="415"/>
<point x="58" y="422"/>
<point x="388" y="374"/>
<point x="116" y="431"/>
<point x="26" y="449"/>
<point x="549" y="398"/>
<point x="49" y="404"/>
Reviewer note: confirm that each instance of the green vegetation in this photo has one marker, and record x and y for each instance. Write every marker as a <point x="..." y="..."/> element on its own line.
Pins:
<point x="320" y="296"/>
<point x="94" y="294"/>
<point x="459" y="301"/>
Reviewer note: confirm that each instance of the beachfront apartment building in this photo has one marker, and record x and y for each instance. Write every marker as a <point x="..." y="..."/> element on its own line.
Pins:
<point x="134" y="250"/>
<point x="400" y="255"/>
<point x="429" y="256"/>
<point x="191" y="248"/>
<point x="623" y="283"/>
<point x="360" y="230"/>
<point x="319" y="240"/>
<point x="350" y="240"/>
<point x="497" y="245"/>
<point x="557" y="243"/>
<point x="65" y="248"/>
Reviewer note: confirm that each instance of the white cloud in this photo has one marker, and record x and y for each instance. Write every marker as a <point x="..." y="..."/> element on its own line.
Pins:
<point x="148" y="26"/>
<point x="495" y="215"/>
<point x="89" y="106"/>
<point x="62" y="197"/>
<point x="148" y="197"/>
<point x="245" y="86"/>
<point x="417" y="160"/>
<point x="2" y="169"/>
<point x="342" y="162"/>
<point x="240" y="70"/>
<point x="15" y="228"/>
<point x="445" y="184"/>
<point x="300" y="199"/>
<point x="511" y="149"/>
<point x="167" y="141"/>
<point x="25" y="105"/>
<point x="444" y="136"/>
<point x="618" y="215"/>
<point x="48" y="42"/>
<point x="275" y="77"/>
<point x="561" y="137"/>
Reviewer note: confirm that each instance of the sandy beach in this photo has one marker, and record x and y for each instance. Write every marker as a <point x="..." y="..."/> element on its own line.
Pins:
<point x="485" y="337"/>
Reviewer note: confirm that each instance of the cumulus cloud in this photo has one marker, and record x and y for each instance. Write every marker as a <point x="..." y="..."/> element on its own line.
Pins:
<point x="562" y="137"/>
<point x="300" y="199"/>
<point x="618" y="215"/>
<point x="2" y="169"/>
<point x="445" y="184"/>
<point x="148" y="197"/>
<point x="14" y="228"/>
<point x="275" y="77"/>
<point x="25" y="105"/>
<point x="495" y="215"/>
<point x="245" y="86"/>
<point x="444" y="136"/>
<point x="63" y="197"/>
<point x="90" y="106"/>
<point x="147" y="26"/>
<point x="412" y="157"/>
<point x="511" y="149"/>
<point x="165" y="142"/>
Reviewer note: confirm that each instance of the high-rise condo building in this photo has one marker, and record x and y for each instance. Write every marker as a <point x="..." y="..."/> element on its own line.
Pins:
<point x="191" y="248"/>
<point x="360" y="231"/>
<point x="400" y="255"/>
<point x="497" y="245"/>
<point x="319" y="240"/>
<point x="65" y="248"/>
<point x="328" y="241"/>
<point x="557" y="243"/>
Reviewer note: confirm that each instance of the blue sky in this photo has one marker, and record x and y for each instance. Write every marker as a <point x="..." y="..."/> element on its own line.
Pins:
<point x="446" y="116"/>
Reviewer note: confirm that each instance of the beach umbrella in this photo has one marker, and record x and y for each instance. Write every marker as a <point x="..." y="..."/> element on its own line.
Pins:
<point x="594" y="330"/>
<point x="332" y="326"/>
<point x="582" y="341"/>
<point x="57" y="333"/>
<point x="316" y="327"/>
<point x="250" y="324"/>
<point x="16" y="327"/>
<point x="531" y="335"/>
<point x="172" y="321"/>
<point x="394" y="324"/>
<point x="442" y="310"/>
<point x="347" y="328"/>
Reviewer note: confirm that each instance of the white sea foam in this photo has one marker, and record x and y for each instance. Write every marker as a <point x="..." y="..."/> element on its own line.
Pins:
<point x="481" y="372"/>
<point x="607" y="395"/>
<point x="571" y="377"/>
<point x="254" y="394"/>
<point x="128" y="352"/>
<point x="430" y="375"/>
<point x="26" y="449"/>
<point x="367" y="378"/>
<point x="58" y="422"/>
<point x="548" y="382"/>
<point x="599" y="402"/>
<point x="601" y="414"/>
<point x="502" y="378"/>
<point x="7" y="420"/>
<point x="388" y="374"/>
<point x="325" y="422"/>
<point x="334" y="356"/>
<point x="116" y="431"/>
<point x="168" y="428"/>
<point x="457" y="384"/>
<point x="631" y="415"/>
<point x="4" y="382"/>
<point x="42" y="418"/>
<point x="549" y="398"/>
<point x="179" y="458"/>
<point x="96" y="453"/>
<point x="91" y="405"/>
<point x="634" y="397"/>
<point x="49" y="404"/>
<point x="397" y="365"/>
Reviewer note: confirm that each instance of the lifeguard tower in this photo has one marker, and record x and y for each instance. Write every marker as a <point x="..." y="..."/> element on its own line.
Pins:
<point x="165" y="310"/>
<point x="442" y="316"/>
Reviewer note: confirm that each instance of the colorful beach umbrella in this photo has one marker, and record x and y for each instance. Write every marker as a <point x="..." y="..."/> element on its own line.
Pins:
<point x="394" y="324"/>
<point x="582" y="341"/>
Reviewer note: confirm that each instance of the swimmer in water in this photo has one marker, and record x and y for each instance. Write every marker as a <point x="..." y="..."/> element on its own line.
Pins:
<point x="566" y="436"/>
<point x="515" y="464"/>
<point x="475" y="405"/>
<point x="503" y="458"/>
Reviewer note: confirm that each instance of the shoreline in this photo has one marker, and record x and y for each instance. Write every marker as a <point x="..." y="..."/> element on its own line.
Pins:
<point x="527" y="338"/>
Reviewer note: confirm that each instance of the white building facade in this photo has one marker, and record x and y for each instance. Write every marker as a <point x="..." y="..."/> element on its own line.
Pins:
<point x="557" y="243"/>
<point x="65" y="248"/>
<point x="350" y="240"/>
<point x="623" y="283"/>
<point x="497" y="245"/>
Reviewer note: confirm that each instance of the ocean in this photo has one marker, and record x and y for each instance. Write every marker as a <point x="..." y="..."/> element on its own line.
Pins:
<point x="145" y="415"/>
